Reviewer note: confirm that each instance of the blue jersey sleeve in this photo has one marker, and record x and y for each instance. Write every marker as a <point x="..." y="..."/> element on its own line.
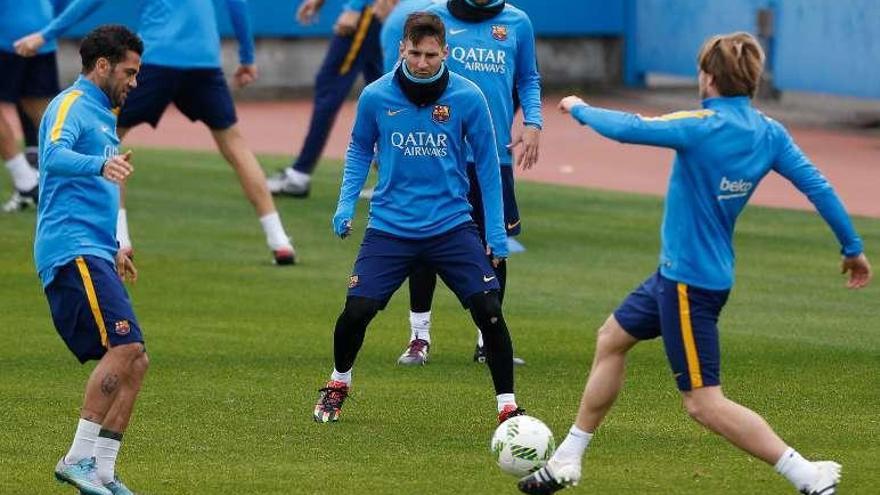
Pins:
<point x="63" y="132"/>
<point x="676" y="130"/>
<point x="794" y="165"/>
<point x="528" y="80"/>
<point x="358" y="157"/>
<point x="241" y="24"/>
<point x="76" y="11"/>
<point x="480" y="132"/>
<point x="357" y="5"/>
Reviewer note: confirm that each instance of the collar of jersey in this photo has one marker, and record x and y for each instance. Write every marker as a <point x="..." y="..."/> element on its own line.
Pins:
<point x="720" y="101"/>
<point x="468" y="11"/>
<point x="92" y="90"/>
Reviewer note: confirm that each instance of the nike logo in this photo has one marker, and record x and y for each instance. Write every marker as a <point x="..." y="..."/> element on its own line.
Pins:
<point x="457" y="31"/>
<point x="392" y="113"/>
<point x="513" y="225"/>
<point x="488" y="279"/>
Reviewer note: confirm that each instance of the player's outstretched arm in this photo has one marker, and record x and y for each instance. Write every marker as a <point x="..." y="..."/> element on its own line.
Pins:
<point x="357" y="164"/>
<point x="859" y="269"/>
<point x="480" y="133"/>
<point x="528" y="88"/>
<point x="76" y="11"/>
<point x="247" y="72"/>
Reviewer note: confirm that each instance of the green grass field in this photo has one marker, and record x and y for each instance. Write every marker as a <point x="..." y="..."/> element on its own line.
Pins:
<point x="238" y="348"/>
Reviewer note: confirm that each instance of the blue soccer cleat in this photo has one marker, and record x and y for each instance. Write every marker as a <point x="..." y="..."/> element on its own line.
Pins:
<point x="117" y="487"/>
<point x="83" y="475"/>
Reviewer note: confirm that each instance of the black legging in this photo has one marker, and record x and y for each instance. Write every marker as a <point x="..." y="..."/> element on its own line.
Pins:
<point x="423" y="282"/>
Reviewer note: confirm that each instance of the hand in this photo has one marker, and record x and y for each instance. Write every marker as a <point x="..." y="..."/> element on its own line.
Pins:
<point x="117" y="168"/>
<point x="382" y="8"/>
<point x="530" y="138"/>
<point x="29" y="45"/>
<point x="245" y="74"/>
<point x="496" y="260"/>
<point x="342" y="226"/>
<point x="569" y="102"/>
<point x="125" y="266"/>
<point x="346" y="23"/>
<point x="859" y="269"/>
<point x="307" y="11"/>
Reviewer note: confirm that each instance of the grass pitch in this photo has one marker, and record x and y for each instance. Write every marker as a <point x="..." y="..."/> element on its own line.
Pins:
<point x="238" y="348"/>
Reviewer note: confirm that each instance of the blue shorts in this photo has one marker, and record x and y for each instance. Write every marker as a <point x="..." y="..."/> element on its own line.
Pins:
<point x="687" y="319"/>
<point x="511" y="210"/>
<point x="28" y="77"/>
<point x="200" y="94"/>
<point x="457" y="256"/>
<point x="91" y="309"/>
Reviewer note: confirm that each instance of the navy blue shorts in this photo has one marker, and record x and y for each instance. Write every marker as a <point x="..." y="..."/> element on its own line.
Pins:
<point x="28" y="77"/>
<point x="687" y="319"/>
<point x="511" y="210"/>
<point x="200" y="94"/>
<point x="91" y="309"/>
<point x="458" y="257"/>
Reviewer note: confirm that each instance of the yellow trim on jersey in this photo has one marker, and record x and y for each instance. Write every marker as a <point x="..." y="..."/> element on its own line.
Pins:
<point x="363" y="27"/>
<point x="93" y="298"/>
<point x="684" y="114"/>
<point x="66" y="103"/>
<point x="687" y="337"/>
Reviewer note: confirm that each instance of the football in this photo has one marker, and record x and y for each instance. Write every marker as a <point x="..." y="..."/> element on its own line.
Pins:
<point x="522" y="445"/>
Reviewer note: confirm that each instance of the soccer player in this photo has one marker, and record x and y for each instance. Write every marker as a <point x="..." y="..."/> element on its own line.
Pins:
<point x="77" y="258"/>
<point x="392" y="26"/>
<point x="722" y="153"/>
<point x="418" y="118"/>
<point x="492" y="44"/>
<point x="354" y="49"/>
<point x="182" y="66"/>
<point x="26" y="83"/>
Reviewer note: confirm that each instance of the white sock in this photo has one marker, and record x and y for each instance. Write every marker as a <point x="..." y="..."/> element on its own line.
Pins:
<point x="799" y="471"/>
<point x="83" y="441"/>
<point x="106" y="450"/>
<point x="574" y="445"/>
<point x="122" y="236"/>
<point x="24" y="177"/>
<point x="276" y="237"/>
<point x="341" y="377"/>
<point x="504" y="400"/>
<point x="420" y="326"/>
<point x="479" y="338"/>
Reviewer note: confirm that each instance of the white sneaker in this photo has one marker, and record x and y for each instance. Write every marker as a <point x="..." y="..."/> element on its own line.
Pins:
<point x="826" y="483"/>
<point x="415" y="354"/>
<point x="551" y="478"/>
<point x="21" y="201"/>
<point x="289" y="182"/>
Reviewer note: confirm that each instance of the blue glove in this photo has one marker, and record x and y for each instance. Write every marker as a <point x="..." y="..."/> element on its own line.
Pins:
<point x="342" y="224"/>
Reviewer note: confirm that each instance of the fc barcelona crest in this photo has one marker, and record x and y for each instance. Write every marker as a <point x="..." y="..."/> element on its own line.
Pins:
<point x="499" y="32"/>
<point x="440" y="114"/>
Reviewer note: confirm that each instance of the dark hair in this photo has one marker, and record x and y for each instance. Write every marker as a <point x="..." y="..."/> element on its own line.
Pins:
<point x="110" y="41"/>
<point x="735" y="61"/>
<point x="422" y="24"/>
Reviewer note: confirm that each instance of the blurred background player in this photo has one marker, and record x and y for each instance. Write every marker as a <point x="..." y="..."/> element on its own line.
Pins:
<point x="415" y="117"/>
<point x="722" y="152"/>
<point x="25" y="83"/>
<point x="392" y="26"/>
<point x="79" y="263"/>
<point x="354" y="50"/>
<point x="493" y="45"/>
<point x="182" y="66"/>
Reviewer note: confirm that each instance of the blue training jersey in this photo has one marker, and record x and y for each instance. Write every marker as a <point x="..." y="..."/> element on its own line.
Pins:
<point x="499" y="56"/>
<point x="20" y="18"/>
<point x="77" y="210"/>
<point x="422" y="190"/>
<point x="392" y="29"/>
<point x="722" y="153"/>
<point x="176" y="33"/>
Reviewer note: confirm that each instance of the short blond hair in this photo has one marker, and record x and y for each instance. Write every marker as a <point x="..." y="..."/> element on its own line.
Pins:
<point x="735" y="61"/>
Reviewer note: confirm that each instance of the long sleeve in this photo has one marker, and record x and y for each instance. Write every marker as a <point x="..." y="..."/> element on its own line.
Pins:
<point x="75" y="12"/>
<point x="675" y="130"/>
<point x="241" y="24"/>
<point x="60" y="158"/>
<point x="481" y="134"/>
<point x="792" y="164"/>
<point x="528" y="80"/>
<point x="358" y="157"/>
<point x="357" y="5"/>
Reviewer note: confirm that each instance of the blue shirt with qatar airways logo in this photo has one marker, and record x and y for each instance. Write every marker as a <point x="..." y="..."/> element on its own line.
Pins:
<point x="423" y="182"/>
<point x="78" y="207"/>
<point x="176" y="33"/>
<point x="499" y="56"/>
<point x="722" y="153"/>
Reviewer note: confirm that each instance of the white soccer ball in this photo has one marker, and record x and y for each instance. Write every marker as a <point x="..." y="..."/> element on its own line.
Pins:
<point x="522" y="445"/>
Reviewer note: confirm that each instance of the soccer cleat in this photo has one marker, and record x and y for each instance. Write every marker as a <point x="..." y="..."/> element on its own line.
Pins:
<point x="480" y="356"/>
<point x="117" y="487"/>
<point x="550" y="478"/>
<point x="826" y="483"/>
<point x="330" y="401"/>
<point x="510" y="411"/>
<point x="21" y="200"/>
<point x="284" y="256"/>
<point x="83" y="475"/>
<point x="289" y="182"/>
<point x="415" y="354"/>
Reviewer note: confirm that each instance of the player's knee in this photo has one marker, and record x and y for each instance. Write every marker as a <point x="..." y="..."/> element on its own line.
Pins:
<point x="141" y="364"/>
<point x="359" y="310"/>
<point x="700" y="407"/>
<point x="486" y="309"/>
